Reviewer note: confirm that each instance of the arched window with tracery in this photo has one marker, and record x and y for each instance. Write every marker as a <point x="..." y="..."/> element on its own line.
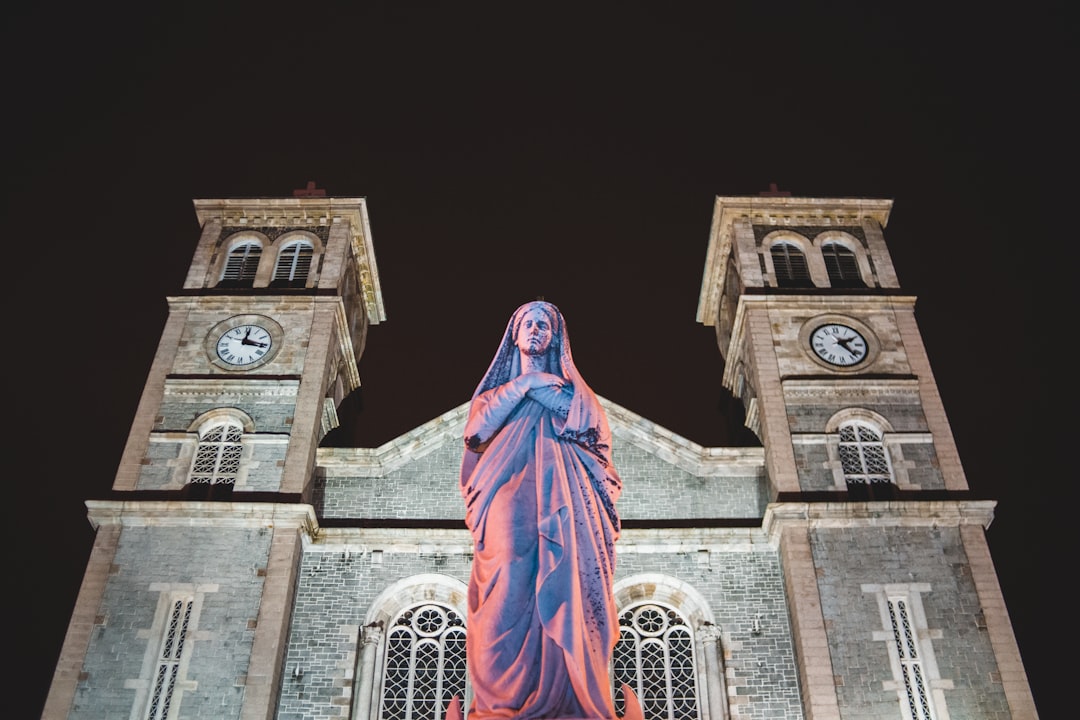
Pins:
<point x="789" y="265"/>
<point x="242" y="264"/>
<point x="864" y="460"/>
<point x="217" y="457"/>
<point x="655" y="657"/>
<point x="425" y="663"/>
<point x="293" y="264"/>
<point x="841" y="265"/>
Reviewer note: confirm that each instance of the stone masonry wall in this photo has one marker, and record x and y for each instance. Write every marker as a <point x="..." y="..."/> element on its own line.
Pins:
<point x="851" y="559"/>
<point x="223" y="567"/>
<point x="654" y="489"/>
<point x="739" y="585"/>
<point x="427" y="487"/>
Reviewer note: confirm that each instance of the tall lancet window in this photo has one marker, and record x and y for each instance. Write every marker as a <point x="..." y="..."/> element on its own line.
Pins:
<point x="425" y="663"/>
<point x="170" y="654"/>
<point x="655" y="657"/>
<point x="916" y="686"/>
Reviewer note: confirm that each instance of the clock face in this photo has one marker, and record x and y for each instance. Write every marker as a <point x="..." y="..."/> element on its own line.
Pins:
<point x="838" y="344"/>
<point x="244" y="345"/>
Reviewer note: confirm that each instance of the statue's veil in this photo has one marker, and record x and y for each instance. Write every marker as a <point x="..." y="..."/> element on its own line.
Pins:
<point x="586" y="421"/>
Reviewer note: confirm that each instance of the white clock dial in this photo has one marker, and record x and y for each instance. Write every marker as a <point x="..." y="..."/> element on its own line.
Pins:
<point x="244" y="344"/>
<point x="838" y="344"/>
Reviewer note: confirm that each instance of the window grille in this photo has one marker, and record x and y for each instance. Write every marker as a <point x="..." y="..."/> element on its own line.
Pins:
<point x="242" y="263"/>
<point x="906" y="644"/>
<point x="294" y="263"/>
<point x="168" y="664"/>
<point x="217" y="458"/>
<point x="863" y="456"/>
<point x="425" y="664"/>
<point x="790" y="266"/>
<point x="841" y="265"/>
<point x="655" y="657"/>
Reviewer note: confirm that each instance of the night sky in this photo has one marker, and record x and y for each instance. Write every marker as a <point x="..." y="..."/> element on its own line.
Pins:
<point x="570" y="151"/>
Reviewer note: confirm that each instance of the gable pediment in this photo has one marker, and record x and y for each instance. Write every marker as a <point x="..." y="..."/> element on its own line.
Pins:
<point x="626" y="428"/>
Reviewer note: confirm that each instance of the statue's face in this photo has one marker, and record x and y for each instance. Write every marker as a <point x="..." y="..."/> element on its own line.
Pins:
<point x="534" y="332"/>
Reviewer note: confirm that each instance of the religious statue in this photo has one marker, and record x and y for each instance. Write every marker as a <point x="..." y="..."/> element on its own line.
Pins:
<point x="540" y="490"/>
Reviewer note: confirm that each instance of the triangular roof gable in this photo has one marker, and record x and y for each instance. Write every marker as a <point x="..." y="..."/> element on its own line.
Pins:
<point x="626" y="427"/>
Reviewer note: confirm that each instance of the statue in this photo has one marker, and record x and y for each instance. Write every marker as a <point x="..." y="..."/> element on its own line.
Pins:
<point x="540" y="490"/>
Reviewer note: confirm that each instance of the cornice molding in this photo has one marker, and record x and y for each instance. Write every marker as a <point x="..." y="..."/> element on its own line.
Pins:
<point x="182" y="513"/>
<point x="790" y="212"/>
<point x="892" y="513"/>
<point x="905" y="390"/>
<point x="444" y="541"/>
<point x="392" y="455"/>
<point x="684" y="454"/>
<point x="248" y="387"/>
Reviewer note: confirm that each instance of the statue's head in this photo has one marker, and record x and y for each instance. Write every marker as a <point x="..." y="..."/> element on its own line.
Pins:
<point x="537" y="328"/>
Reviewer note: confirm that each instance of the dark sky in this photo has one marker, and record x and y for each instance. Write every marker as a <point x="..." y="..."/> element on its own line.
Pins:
<point x="571" y="151"/>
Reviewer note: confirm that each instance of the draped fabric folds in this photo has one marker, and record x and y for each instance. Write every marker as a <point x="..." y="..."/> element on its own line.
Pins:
<point x="540" y="491"/>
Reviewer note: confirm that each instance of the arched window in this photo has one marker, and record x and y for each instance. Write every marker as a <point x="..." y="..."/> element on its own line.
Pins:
<point x="865" y="461"/>
<point x="655" y="657"/>
<point x="789" y="264"/>
<point x="241" y="264"/>
<point x="425" y="663"/>
<point x="842" y="266"/>
<point x="217" y="457"/>
<point x="293" y="264"/>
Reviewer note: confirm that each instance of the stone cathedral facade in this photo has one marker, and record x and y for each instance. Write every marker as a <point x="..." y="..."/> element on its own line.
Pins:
<point x="839" y="570"/>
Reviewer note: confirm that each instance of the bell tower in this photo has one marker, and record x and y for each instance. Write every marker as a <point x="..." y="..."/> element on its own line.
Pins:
<point x="809" y="317"/>
<point x="870" y="508"/>
<point x="198" y="546"/>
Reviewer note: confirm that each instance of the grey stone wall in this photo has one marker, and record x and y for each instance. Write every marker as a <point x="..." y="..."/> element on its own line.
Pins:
<point x="849" y="559"/>
<point x="808" y="417"/>
<point x="921" y="463"/>
<point x="225" y="565"/>
<point x="159" y="470"/>
<point x="654" y="489"/>
<point x="270" y="412"/>
<point x="427" y="488"/>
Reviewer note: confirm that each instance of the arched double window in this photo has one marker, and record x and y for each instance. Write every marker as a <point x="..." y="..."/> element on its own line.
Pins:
<point x="242" y="264"/>
<point x="412" y="662"/>
<point x="789" y="265"/>
<point x="293" y="264"/>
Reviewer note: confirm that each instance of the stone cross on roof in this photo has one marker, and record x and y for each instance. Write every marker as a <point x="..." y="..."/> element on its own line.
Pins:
<point x="309" y="191"/>
<point x="774" y="192"/>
